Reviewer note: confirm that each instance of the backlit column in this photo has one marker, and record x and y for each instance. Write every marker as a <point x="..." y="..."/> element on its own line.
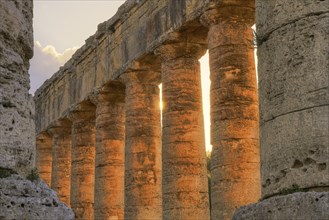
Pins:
<point x="43" y="159"/>
<point x="83" y="163"/>
<point x="185" y="186"/>
<point x="110" y="142"/>
<point x="61" y="165"/>
<point x="235" y="159"/>
<point x="143" y="146"/>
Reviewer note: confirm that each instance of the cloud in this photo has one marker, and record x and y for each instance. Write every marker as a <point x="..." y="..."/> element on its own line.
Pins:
<point x="45" y="62"/>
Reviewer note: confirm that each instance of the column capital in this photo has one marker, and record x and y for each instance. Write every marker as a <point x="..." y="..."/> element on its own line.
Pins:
<point x="141" y="76"/>
<point x="113" y="92"/>
<point x="176" y="50"/>
<point x="232" y="13"/>
<point x="60" y="127"/>
<point x="84" y="111"/>
<point x="44" y="135"/>
<point x="54" y="131"/>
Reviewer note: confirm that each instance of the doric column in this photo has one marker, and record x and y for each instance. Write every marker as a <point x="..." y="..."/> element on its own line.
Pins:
<point x="61" y="166"/>
<point x="110" y="142"/>
<point x="185" y="183"/>
<point x="43" y="159"/>
<point x="235" y="171"/>
<point x="293" y="79"/>
<point x="294" y="96"/>
<point x="83" y="162"/>
<point x="143" y="146"/>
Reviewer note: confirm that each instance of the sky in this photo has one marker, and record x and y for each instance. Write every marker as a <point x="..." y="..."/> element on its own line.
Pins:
<point x="62" y="26"/>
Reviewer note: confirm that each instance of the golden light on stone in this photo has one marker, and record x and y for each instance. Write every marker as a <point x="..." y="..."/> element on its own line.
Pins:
<point x="133" y="93"/>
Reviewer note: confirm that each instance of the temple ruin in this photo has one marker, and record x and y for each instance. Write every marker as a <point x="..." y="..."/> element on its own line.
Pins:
<point x="103" y="146"/>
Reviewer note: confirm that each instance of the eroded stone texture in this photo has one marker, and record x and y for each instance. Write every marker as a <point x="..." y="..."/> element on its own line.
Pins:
<point x="83" y="161"/>
<point x="235" y="164"/>
<point x="310" y="205"/>
<point x="23" y="199"/>
<point x="43" y="159"/>
<point x="143" y="180"/>
<point x="109" y="162"/>
<point x="61" y="165"/>
<point x="293" y="69"/>
<point x="185" y="186"/>
<point x="17" y="135"/>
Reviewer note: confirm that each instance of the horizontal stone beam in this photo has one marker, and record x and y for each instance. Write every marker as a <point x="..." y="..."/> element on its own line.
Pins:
<point x="118" y="44"/>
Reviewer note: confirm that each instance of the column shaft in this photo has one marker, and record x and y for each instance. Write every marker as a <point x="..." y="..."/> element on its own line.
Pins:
<point x="143" y="147"/>
<point x="185" y="187"/>
<point x="109" y="173"/>
<point x="61" y="167"/>
<point x="43" y="160"/>
<point x="83" y="166"/>
<point x="234" y="111"/>
<point x="293" y="72"/>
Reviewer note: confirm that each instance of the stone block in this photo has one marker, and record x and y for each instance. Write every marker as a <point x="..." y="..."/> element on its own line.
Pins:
<point x="301" y="205"/>
<point x="23" y="199"/>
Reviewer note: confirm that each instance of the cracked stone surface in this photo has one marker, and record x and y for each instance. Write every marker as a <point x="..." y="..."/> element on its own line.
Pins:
<point x="61" y="162"/>
<point x="305" y="205"/>
<point x="293" y="74"/>
<point x="235" y="161"/>
<point x="185" y="186"/>
<point x="17" y="135"/>
<point x="143" y="169"/>
<point x="43" y="157"/>
<point x="23" y="199"/>
<point x="83" y="162"/>
<point x="109" y="162"/>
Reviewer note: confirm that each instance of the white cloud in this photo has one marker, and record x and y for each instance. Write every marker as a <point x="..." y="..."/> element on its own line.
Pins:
<point x="45" y="62"/>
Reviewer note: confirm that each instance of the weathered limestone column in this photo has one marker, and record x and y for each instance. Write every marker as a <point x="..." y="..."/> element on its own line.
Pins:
<point x="43" y="159"/>
<point x="235" y="171"/>
<point x="110" y="142"/>
<point x="83" y="162"/>
<point x="143" y="179"/>
<point x="61" y="165"/>
<point x="294" y="95"/>
<point x="17" y="126"/>
<point x="293" y="70"/>
<point x="185" y="186"/>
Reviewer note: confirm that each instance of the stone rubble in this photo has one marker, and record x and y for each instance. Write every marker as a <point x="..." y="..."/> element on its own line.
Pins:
<point x="23" y="199"/>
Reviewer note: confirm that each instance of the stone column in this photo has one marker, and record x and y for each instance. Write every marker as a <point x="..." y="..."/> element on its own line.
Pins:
<point x="185" y="182"/>
<point x="143" y="146"/>
<point x="17" y="125"/>
<point x="43" y="159"/>
<point x="83" y="162"/>
<point x="61" y="166"/>
<point x="293" y="74"/>
<point x="294" y="96"/>
<point x="235" y="171"/>
<point x="110" y="142"/>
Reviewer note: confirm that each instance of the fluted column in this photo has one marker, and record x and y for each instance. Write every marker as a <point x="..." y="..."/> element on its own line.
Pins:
<point x="235" y="158"/>
<point x="61" y="165"/>
<point x="143" y="146"/>
<point x="43" y="159"/>
<point x="110" y="141"/>
<point x="185" y="186"/>
<point x="83" y="163"/>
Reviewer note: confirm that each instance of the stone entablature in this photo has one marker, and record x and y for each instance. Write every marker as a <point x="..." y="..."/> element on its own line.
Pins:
<point x="118" y="44"/>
